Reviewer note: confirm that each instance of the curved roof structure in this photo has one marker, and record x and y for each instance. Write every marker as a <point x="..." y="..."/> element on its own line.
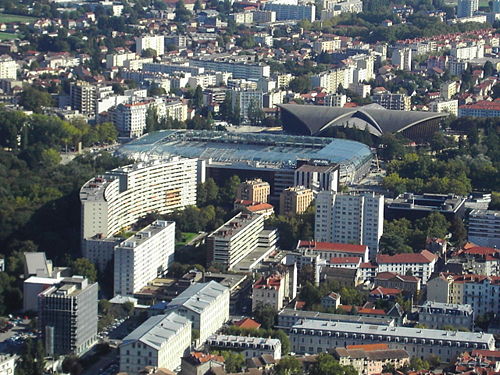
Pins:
<point x="313" y="120"/>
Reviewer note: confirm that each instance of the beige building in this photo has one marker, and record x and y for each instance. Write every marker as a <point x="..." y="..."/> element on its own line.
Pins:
<point x="295" y="200"/>
<point x="254" y="190"/>
<point x="271" y="290"/>
<point x="326" y="45"/>
<point x="448" y="89"/>
<point x="371" y="359"/>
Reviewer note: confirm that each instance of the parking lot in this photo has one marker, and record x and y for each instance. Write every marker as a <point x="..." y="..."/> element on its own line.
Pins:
<point x="12" y="340"/>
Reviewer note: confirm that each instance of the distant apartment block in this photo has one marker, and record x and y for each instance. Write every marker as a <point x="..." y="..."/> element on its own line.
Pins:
<point x="290" y="12"/>
<point x="154" y="42"/>
<point x="8" y="67"/>
<point x="271" y="290"/>
<point x="317" y="176"/>
<point x="244" y="70"/>
<point x="449" y="89"/>
<point x="329" y="45"/>
<point x="350" y="218"/>
<point x="484" y="228"/>
<point x="234" y="240"/>
<point x="295" y="200"/>
<point x="161" y="342"/>
<point x="143" y="257"/>
<point x="130" y="119"/>
<point x="68" y="316"/>
<point x="264" y="16"/>
<point x="445" y="106"/>
<point x="401" y="57"/>
<point x="483" y="108"/>
<point x="398" y="102"/>
<point x="254" y="190"/>
<point x="467" y="8"/>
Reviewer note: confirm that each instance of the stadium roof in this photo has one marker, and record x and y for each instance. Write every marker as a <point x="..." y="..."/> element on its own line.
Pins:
<point x="266" y="150"/>
<point x="312" y="119"/>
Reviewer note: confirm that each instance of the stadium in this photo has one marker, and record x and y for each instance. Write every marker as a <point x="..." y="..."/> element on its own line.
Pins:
<point x="273" y="158"/>
<point x="315" y="120"/>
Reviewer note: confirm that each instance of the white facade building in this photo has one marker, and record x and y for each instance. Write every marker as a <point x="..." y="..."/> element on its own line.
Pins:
<point x="402" y="58"/>
<point x="155" y="42"/>
<point x="420" y="265"/>
<point x="350" y="218"/>
<point x="161" y="341"/>
<point x="143" y="257"/>
<point x="7" y="364"/>
<point x="484" y="228"/>
<point x="120" y="197"/>
<point x="249" y="346"/>
<point x="316" y="336"/>
<point x="130" y="119"/>
<point x="447" y="106"/>
<point x="206" y="305"/>
<point x="8" y="67"/>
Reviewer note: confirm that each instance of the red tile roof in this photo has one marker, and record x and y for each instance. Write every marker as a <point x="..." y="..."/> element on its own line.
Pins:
<point x="345" y="260"/>
<point x="479" y="250"/>
<point x="393" y="275"/>
<point x="273" y="281"/>
<point x="425" y="256"/>
<point x="385" y="291"/>
<point x="331" y="246"/>
<point x="483" y="104"/>
<point x="247" y="323"/>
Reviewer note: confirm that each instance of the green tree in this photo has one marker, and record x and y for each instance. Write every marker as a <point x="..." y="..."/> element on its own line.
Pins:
<point x="327" y="365"/>
<point x="84" y="267"/>
<point x="288" y="365"/>
<point x="181" y="13"/>
<point x="228" y="191"/>
<point x="197" y="99"/>
<point x="488" y="69"/>
<point x="152" y="122"/>
<point x="418" y="364"/>
<point x="265" y="315"/>
<point x="233" y="361"/>
<point x="34" y="100"/>
<point x="255" y="113"/>
<point x="149" y="52"/>
<point x="434" y="225"/>
<point x="301" y="84"/>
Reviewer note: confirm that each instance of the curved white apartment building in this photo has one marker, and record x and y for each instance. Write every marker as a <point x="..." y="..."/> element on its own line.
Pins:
<point x="120" y="197"/>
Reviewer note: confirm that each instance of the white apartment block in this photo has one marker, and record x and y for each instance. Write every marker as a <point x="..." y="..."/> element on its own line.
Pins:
<point x="448" y="89"/>
<point x="445" y="106"/>
<point x="326" y="45"/>
<point x="155" y="42"/>
<point x="235" y="239"/>
<point x="288" y="12"/>
<point x="350" y="218"/>
<point x="484" y="228"/>
<point x="317" y="336"/>
<point x="335" y="100"/>
<point x="264" y="16"/>
<point x="242" y="17"/>
<point x="206" y="305"/>
<point x="250" y="347"/>
<point x="420" y="265"/>
<point x="402" y="58"/>
<point x="161" y="341"/>
<point x="7" y="364"/>
<point x="254" y="71"/>
<point x="202" y="80"/>
<point x="175" y="110"/>
<point x="329" y="250"/>
<point x="244" y="98"/>
<point x="8" y="67"/>
<point x="118" y="59"/>
<point x="469" y="52"/>
<point x="120" y="197"/>
<point x="143" y="257"/>
<point x="130" y="119"/>
<point x="330" y="80"/>
<point x="397" y="102"/>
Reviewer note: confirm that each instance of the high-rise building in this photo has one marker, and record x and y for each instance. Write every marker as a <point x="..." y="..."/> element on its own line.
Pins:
<point x="295" y="200"/>
<point x="120" y="197"/>
<point x="467" y="8"/>
<point x="130" y="119"/>
<point x="160" y="342"/>
<point x="402" y="58"/>
<point x="350" y="218"/>
<point x="245" y="99"/>
<point x="254" y="190"/>
<point x="398" y="102"/>
<point x="154" y="42"/>
<point x="68" y="316"/>
<point x="234" y="240"/>
<point x="8" y="67"/>
<point x="83" y="96"/>
<point x="143" y="257"/>
<point x="484" y="228"/>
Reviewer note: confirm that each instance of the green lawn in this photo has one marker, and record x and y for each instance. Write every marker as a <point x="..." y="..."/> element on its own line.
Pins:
<point x="8" y="36"/>
<point x="9" y="18"/>
<point x="186" y="237"/>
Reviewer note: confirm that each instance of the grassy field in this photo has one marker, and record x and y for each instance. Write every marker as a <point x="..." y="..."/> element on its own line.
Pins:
<point x="9" y="18"/>
<point x="186" y="237"/>
<point x="8" y="36"/>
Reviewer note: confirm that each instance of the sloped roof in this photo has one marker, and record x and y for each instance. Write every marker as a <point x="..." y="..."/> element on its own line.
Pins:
<point x="377" y="121"/>
<point x="198" y="296"/>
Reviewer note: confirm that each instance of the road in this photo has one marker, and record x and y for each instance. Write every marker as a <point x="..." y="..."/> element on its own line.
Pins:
<point x="102" y="363"/>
